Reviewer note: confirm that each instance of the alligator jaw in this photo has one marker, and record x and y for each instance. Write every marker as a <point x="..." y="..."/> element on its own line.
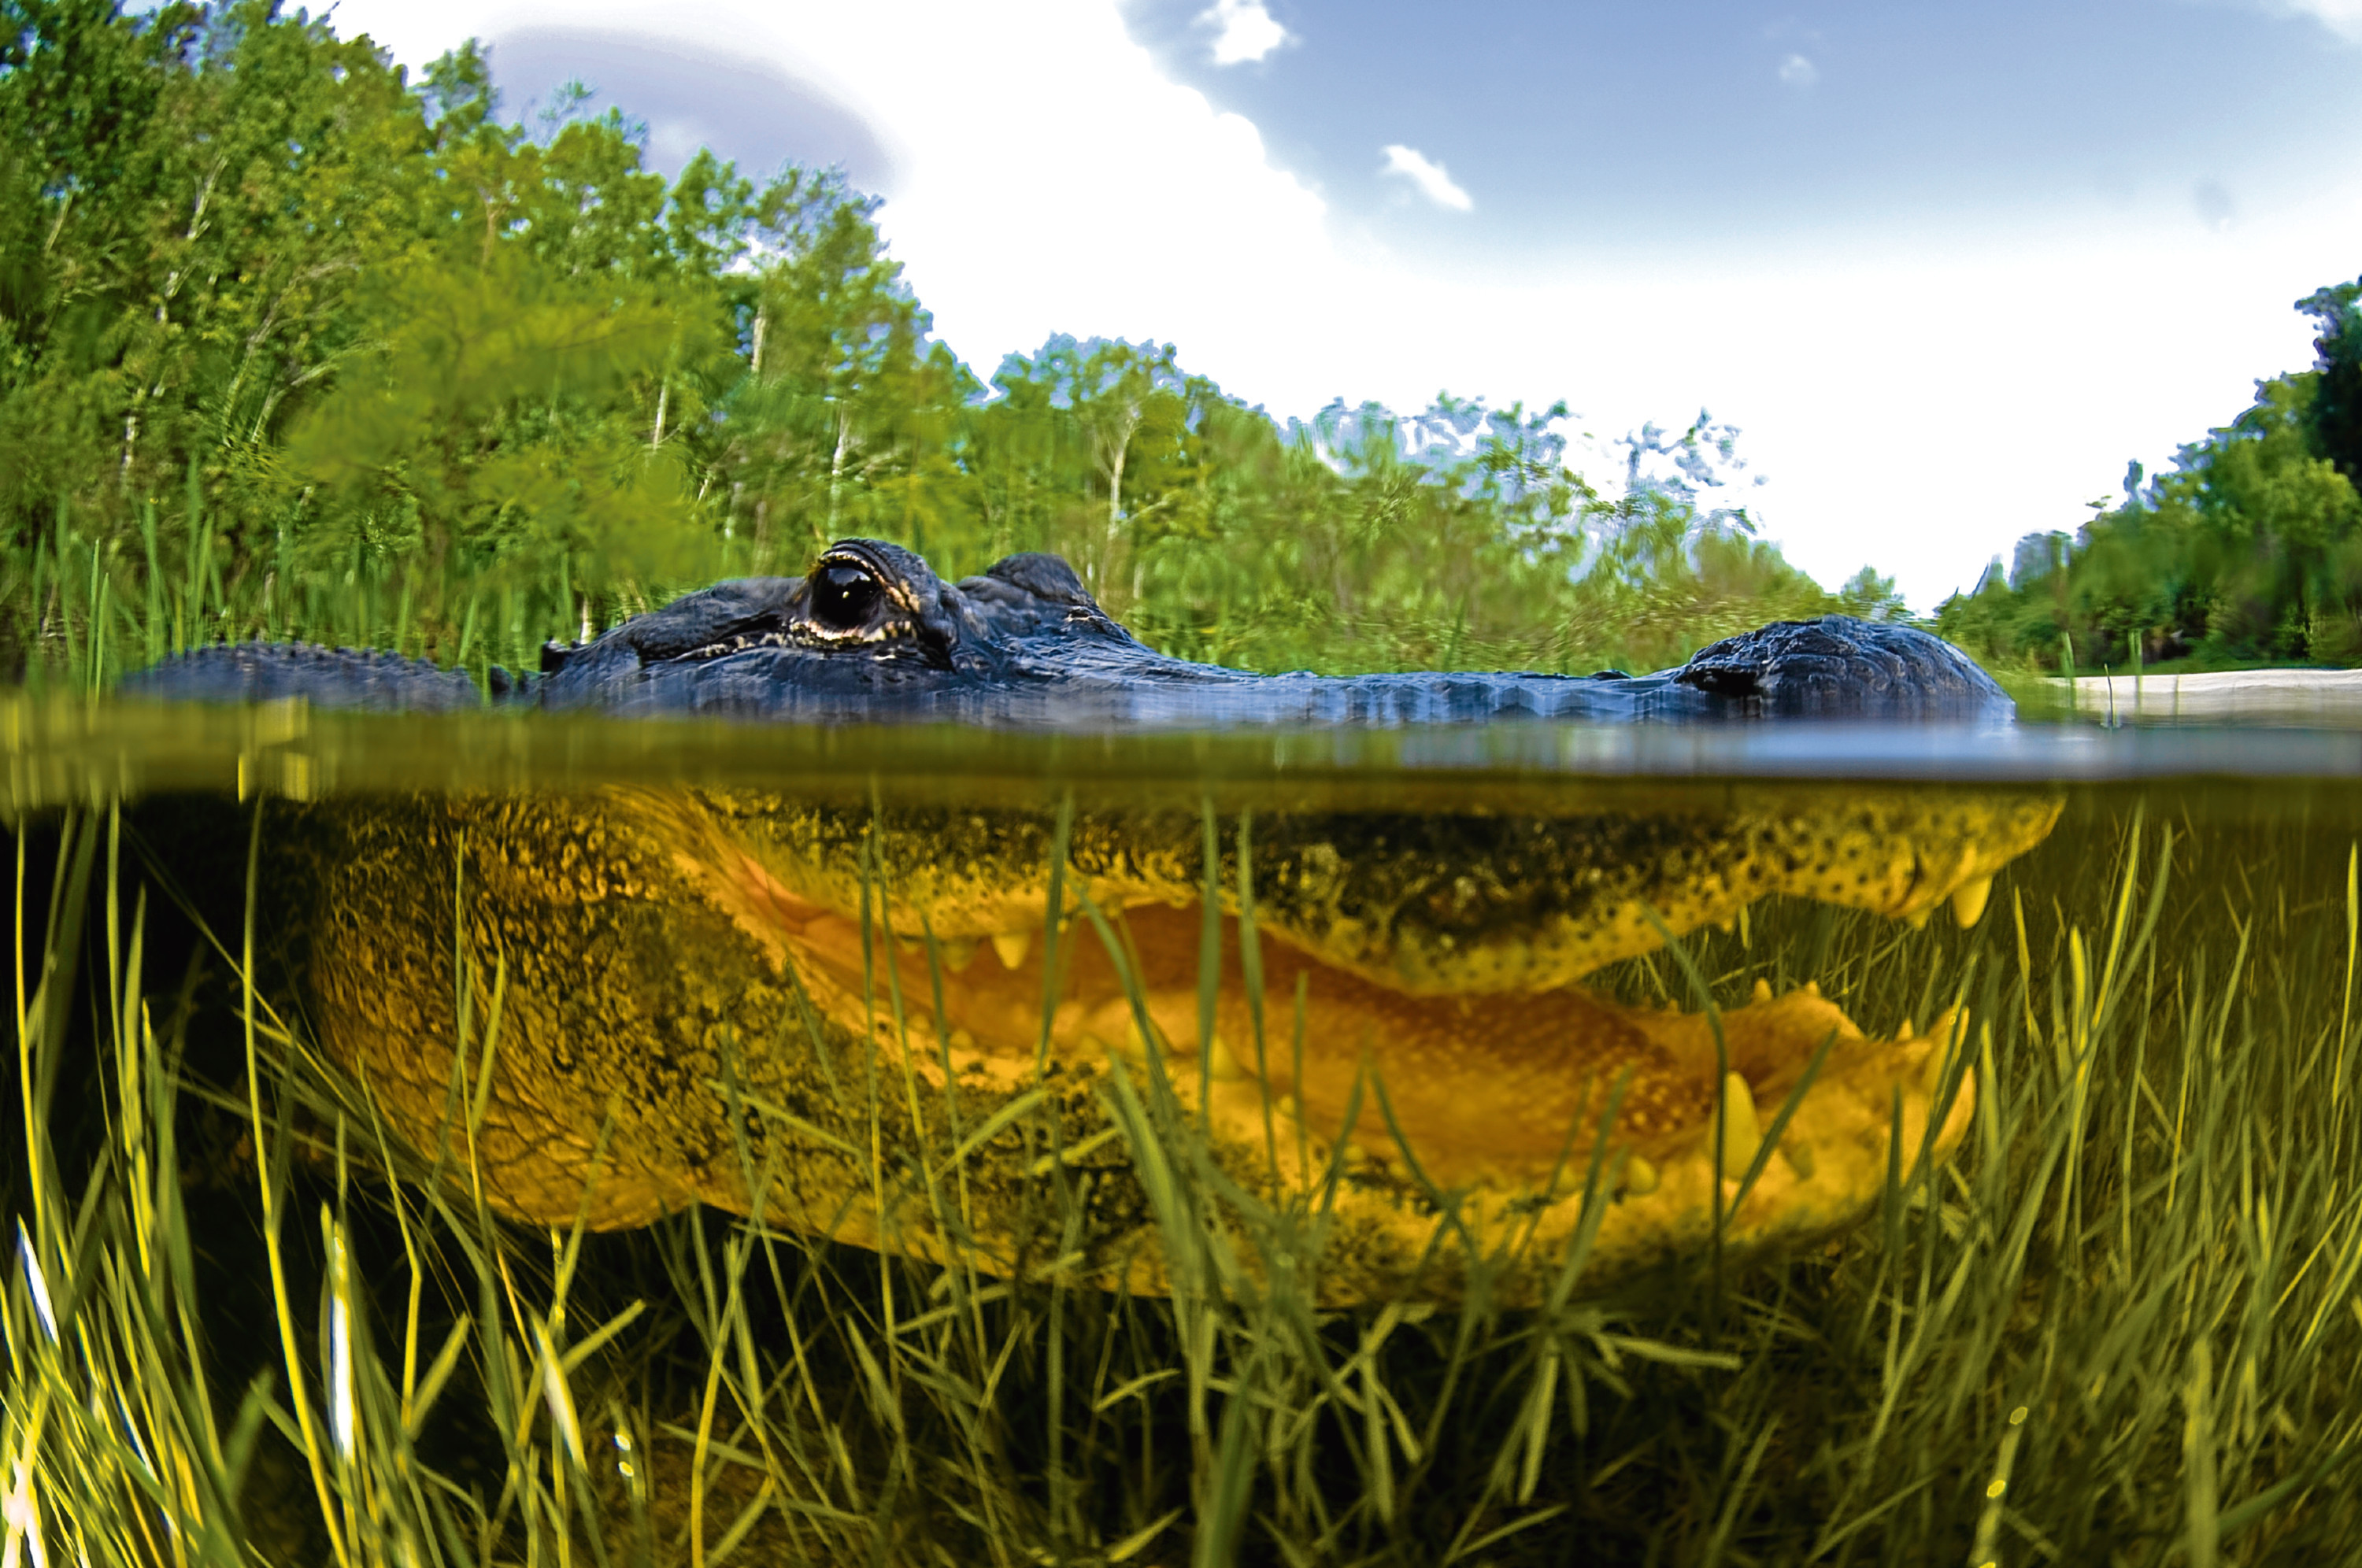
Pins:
<point x="1450" y="906"/>
<point x="1496" y="1095"/>
<point x="658" y="951"/>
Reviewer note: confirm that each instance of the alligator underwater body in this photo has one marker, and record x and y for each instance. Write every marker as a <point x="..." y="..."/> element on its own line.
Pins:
<point x="972" y="1029"/>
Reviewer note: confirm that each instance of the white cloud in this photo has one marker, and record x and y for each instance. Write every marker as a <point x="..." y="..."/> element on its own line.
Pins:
<point x="1247" y="31"/>
<point x="1897" y="385"/>
<point x="1433" y="182"/>
<point x="2343" y="18"/>
<point x="673" y="142"/>
<point x="1798" y="71"/>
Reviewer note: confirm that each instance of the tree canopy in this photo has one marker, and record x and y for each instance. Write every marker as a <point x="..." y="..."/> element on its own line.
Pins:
<point x="2249" y="551"/>
<point x="293" y="345"/>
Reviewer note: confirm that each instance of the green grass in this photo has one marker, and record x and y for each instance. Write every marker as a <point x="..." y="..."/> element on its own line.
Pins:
<point x="78" y="613"/>
<point x="2123" y="1326"/>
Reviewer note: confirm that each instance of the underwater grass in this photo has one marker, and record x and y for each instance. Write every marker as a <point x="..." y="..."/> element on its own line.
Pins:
<point x="2122" y="1326"/>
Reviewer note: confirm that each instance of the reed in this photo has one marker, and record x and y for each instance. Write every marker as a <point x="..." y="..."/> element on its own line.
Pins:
<point x="2124" y="1326"/>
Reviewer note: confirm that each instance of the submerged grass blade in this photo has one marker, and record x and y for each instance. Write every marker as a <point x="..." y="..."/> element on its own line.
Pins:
<point x="2126" y="1303"/>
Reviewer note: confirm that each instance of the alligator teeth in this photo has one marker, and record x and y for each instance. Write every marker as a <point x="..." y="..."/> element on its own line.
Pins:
<point x="1917" y="921"/>
<point x="1763" y="990"/>
<point x="1945" y="1034"/>
<point x="1117" y="1026"/>
<point x="1640" y="1177"/>
<point x="1907" y="1031"/>
<point x="1742" y="1135"/>
<point x="1012" y="946"/>
<point x="958" y="953"/>
<point x="1969" y="901"/>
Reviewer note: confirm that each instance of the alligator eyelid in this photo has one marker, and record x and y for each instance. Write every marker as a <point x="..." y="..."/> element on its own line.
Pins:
<point x="898" y="593"/>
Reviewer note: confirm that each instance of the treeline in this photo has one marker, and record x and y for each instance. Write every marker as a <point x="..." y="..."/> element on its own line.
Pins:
<point x="2250" y="550"/>
<point x="292" y="346"/>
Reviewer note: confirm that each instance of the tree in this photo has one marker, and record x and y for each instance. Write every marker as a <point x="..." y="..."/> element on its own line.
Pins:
<point x="194" y="194"/>
<point x="2334" y="420"/>
<point x="2250" y="548"/>
<point x="1872" y="597"/>
<point x="845" y="413"/>
<point x="1127" y="404"/>
<point x="291" y="344"/>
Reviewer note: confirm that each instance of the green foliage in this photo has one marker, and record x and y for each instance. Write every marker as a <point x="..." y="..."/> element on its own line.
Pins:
<point x="188" y="198"/>
<point x="2336" y="413"/>
<point x="495" y="427"/>
<point x="1872" y="597"/>
<point x="845" y="417"/>
<point x="2251" y="550"/>
<point x="290" y="344"/>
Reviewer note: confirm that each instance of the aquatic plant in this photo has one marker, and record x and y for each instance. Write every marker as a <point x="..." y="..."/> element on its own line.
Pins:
<point x="2123" y="1327"/>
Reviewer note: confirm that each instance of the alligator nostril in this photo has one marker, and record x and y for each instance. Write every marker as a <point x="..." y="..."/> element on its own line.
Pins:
<point x="843" y="597"/>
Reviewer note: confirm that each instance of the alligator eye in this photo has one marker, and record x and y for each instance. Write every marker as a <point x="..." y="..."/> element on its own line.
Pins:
<point x="844" y="598"/>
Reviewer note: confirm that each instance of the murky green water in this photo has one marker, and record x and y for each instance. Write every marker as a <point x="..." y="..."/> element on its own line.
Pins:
<point x="939" y="1146"/>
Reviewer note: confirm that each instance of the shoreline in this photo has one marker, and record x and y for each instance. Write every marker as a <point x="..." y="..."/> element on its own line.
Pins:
<point x="2251" y="694"/>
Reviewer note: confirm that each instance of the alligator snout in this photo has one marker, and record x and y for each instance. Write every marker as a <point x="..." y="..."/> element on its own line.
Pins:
<point x="691" y="981"/>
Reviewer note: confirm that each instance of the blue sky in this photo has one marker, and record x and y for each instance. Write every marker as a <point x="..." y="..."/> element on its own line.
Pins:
<point x="1683" y="123"/>
<point x="1946" y="267"/>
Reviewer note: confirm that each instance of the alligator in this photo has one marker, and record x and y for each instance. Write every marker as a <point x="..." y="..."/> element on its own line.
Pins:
<point x="1001" y="1029"/>
<point x="871" y="635"/>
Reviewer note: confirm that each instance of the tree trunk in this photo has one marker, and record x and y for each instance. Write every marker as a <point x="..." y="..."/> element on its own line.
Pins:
<point x="836" y="465"/>
<point x="1103" y="567"/>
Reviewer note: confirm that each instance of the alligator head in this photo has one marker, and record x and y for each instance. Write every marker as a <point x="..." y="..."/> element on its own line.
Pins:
<point x="871" y="635"/>
<point x="697" y="984"/>
<point x="869" y="985"/>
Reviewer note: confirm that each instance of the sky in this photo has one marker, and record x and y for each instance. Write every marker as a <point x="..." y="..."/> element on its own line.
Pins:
<point x="1947" y="269"/>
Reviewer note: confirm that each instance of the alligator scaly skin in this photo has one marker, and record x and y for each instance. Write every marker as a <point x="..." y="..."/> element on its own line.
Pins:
<point x="873" y="635"/>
